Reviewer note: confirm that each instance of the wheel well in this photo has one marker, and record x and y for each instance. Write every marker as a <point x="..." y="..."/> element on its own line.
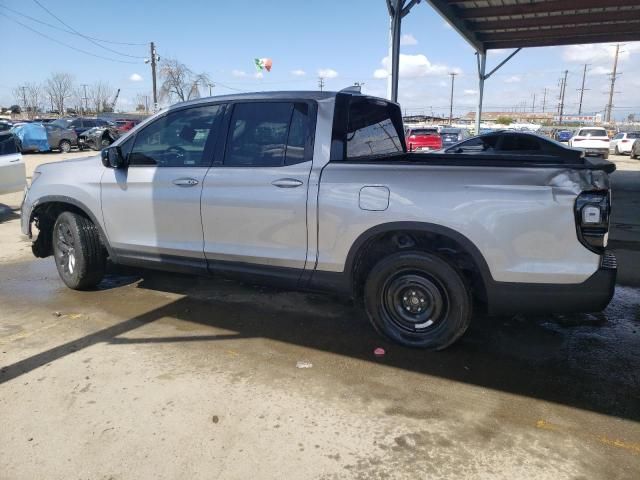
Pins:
<point x="44" y="217"/>
<point x="447" y="248"/>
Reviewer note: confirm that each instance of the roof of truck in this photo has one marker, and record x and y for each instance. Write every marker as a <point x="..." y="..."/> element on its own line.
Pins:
<point x="297" y="94"/>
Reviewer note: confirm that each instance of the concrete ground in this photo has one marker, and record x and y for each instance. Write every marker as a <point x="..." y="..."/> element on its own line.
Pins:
<point x="166" y="376"/>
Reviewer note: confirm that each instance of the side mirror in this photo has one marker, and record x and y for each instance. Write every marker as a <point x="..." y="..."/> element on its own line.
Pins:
<point x="112" y="158"/>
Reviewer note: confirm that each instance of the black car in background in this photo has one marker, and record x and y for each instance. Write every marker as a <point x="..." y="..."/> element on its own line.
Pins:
<point x="450" y="136"/>
<point x="100" y="137"/>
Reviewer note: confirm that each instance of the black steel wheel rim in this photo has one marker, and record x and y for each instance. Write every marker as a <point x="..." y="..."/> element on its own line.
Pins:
<point x="414" y="301"/>
<point x="65" y="247"/>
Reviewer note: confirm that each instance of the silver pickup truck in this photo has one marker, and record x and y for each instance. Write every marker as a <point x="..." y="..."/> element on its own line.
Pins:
<point x="315" y="190"/>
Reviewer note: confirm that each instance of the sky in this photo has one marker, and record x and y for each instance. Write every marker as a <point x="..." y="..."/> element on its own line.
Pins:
<point x="344" y="41"/>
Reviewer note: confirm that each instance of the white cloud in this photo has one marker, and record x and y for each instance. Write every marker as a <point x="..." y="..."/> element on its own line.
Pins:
<point x="470" y="91"/>
<point x="380" y="73"/>
<point x="512" y="79"/>
<point x="135" y="77"/>
<point x="238" y="73"/>
<point x="327" y="73"/>
<point x="599" y="70"/>
<point x="414" y="66"/>
<point x="298" y="73"/>
<point x="408" y="39"/>
<point x="258" y="75"/>
<point x="598" y="53"/>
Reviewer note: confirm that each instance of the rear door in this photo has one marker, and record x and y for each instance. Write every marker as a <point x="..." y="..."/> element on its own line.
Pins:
<point x="152" y="209"/>
<point x="254" y="202"/>
<point x="12" y="169"/>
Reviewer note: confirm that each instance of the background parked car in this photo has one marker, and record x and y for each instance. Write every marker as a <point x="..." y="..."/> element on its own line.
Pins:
<point x="635" y="149"/>
<point x="124" y="125"/>
<point x="98" y="138"/>
<point x="5" y="125"/>
<point x="31" y="137"/>
<point x="12" y="170"/>
<point x="451" y="136"/>
<point x="593" y="141"/>
<point x="423" y="139"/>
<point x="61" y="138"/>
<point x="564" y="135"/>
<point x="80" y="124"/>
<point x="622" y="142"/>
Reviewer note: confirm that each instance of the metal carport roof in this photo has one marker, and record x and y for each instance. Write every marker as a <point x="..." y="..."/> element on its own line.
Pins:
<point x="498" y="24"/>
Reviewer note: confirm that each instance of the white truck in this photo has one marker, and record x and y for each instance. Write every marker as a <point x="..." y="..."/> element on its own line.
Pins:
<point x="316" y="191"/>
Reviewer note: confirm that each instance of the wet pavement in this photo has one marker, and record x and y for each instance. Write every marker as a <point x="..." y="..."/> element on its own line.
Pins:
<point x="169" y="376"/>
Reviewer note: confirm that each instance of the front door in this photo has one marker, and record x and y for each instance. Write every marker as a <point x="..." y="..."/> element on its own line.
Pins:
<point x="152" y="208"/>
<point x="254" y="203"/>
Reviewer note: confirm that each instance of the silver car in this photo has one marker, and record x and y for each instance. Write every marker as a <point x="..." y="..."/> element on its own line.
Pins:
<point x="61" y="138"/>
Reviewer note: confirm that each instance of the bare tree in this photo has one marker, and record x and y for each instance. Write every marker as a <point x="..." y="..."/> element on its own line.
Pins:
<point x="179" y="82"/>
<point x="31" y="97"/>
<point x="59" y="87"/>
<point x="100" y="93"/>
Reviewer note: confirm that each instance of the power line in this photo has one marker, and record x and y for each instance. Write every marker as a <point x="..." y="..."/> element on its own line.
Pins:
<point x="82" y="35"/>
<point x="68" y="31"/>
<point x="66" y="44"/>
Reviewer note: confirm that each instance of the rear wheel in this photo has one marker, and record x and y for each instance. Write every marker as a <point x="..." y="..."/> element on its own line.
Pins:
<point x="65" y="146"/>
<point x="105" y="142"/>
<point x="616" y="150"/>
<point x="418" y="300"/>
<point x="79" y="254"/>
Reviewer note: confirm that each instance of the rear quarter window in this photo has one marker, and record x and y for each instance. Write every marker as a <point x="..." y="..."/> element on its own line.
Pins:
<point x="372" y="129"/>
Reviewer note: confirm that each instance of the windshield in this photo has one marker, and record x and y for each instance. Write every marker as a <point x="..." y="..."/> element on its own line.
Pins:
<point x="593" y="132"/>
<point x="63" y="123"/>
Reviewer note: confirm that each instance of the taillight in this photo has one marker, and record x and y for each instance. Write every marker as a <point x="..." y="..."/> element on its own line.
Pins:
<point x="592" y="211"/>
<point x="625" y="141"/>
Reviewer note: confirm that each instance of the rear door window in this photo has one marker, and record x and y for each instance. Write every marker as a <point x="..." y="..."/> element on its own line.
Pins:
<point x="268" y="134"/>
<point x="519" y="143"/>
<point x="8" y="145"/>
<point x="371" y="130"/>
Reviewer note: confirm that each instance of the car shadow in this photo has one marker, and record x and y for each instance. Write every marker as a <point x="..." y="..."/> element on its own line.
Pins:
<point x="8" y="213"/>
<point x="573" y="360"/>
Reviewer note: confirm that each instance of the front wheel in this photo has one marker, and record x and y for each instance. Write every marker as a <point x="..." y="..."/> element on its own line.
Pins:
<point x="79" y="254"/>
<point x="65" y="146"/>
<point x="418" y="300"/>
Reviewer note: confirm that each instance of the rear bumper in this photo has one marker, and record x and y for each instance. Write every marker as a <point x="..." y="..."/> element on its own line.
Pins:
<point x="592" y="295"/>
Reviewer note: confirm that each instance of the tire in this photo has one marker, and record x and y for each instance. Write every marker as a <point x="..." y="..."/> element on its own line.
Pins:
<point x="105" y="142"/>
<point x="616" y="151"/>
<point x="78" y="252"/>
<point x="418" y="300"/>
<point x="64" y="146"/>
<point x="605" y="156"/>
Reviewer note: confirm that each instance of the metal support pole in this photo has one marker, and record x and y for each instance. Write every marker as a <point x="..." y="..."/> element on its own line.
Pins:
<point x="396" y="23"/>
<point x="482" y="65"/>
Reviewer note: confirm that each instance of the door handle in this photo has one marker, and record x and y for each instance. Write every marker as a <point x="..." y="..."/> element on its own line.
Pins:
<point x="286" y="183"/>
<point x="185" y="182"/>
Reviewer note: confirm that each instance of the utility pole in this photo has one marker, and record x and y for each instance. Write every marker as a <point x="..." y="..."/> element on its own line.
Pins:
<point x="563" y="87"/>
<point x="544" y="100"/>
<point x="153" y="59"/>
<point x="210" y="85"/>
<point x="582" y="89"/>
<point x="86" y="100"/>
<point x="613" y="82"/>
<point x="24" y="101"/>
<point x="321" y="83"/>
<point x="533" y="104"/>
<point x="453" y="79"/>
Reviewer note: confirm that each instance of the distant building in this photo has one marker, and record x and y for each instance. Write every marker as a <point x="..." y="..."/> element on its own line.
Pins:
<point x="590" y="119"/>
<point x="517" y="117"/>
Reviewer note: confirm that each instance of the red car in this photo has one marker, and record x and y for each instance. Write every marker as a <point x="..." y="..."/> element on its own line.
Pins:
<point x="423" y="139"/>
<point x="124" y="125"/>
